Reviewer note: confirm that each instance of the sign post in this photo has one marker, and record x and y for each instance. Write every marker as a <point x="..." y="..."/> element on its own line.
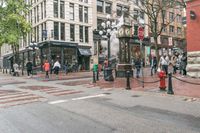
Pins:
<point x="141" y="37"/>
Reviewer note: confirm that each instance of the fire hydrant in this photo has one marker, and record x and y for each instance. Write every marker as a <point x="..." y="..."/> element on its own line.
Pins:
<point x="162" y="76"/>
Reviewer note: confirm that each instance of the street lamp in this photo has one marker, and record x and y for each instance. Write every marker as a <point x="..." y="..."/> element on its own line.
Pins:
<point x="107" y="28"/>
<point x="34" y="46"/>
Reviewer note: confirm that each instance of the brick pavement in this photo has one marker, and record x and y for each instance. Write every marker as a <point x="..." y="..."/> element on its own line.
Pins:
<point x="180" y="88"/>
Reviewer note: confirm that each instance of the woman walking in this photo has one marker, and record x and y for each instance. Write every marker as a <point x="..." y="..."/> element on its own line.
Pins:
<point x="46" y="68"/>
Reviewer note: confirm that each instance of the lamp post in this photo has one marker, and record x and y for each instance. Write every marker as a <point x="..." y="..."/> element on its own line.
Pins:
<point x="34" y="46"/>
<point x="107" y="28"/>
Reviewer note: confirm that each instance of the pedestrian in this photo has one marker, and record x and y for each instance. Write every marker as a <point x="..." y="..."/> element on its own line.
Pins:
<point x="179" y="61"/>
<point x="164" y="62"/>
<point x="46" y="68"/>
<point x="16" y="69"/>
<point x="137" y="66"/>
<point x="56" y="68"/>
<point x="153" y="64"/>
<point x="174" y="62"/>
<point x="184" y="63"/>
<point x="29" y="68"/>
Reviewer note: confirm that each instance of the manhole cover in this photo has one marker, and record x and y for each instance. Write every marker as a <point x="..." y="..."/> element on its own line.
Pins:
<point x="107" y="93"/>
<point x="136" y="96"/>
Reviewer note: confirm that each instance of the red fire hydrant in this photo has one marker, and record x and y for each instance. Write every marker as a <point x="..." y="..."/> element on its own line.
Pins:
<point x="162" y="76"/>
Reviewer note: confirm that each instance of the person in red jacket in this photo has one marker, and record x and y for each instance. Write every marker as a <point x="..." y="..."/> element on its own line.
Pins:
<point x="46" y="68"/>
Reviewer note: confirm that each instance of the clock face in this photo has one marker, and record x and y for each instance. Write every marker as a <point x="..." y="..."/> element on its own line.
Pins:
<point x="127" y="31"/>
<point x="120" y="32"/>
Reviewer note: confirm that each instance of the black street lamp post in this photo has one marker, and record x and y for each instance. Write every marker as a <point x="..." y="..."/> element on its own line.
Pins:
<point x="34" y="46"/>
<point x="107" y="28"/>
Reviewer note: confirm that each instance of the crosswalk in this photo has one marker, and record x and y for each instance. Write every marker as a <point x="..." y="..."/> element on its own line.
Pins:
<point x="51" y="90"/>
<point x="10" y="98"/>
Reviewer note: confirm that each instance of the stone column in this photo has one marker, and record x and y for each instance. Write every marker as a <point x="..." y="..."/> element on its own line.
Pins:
<point x="193" y="66"/>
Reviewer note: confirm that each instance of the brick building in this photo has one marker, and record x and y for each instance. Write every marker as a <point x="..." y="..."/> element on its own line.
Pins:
<point x="193" y="37"/>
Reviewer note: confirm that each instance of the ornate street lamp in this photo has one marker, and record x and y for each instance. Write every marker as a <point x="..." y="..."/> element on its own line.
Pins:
<point x="34" y="47"/>
<point x="107" y="27"/>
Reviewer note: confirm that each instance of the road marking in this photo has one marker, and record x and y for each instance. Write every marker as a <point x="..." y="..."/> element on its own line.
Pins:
<point x="78" y="98"/>
<point x="58" y="101"/>
<point x="87" y="97"/>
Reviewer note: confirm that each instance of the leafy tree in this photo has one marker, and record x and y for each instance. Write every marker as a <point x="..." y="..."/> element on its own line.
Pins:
<point x="155" y="10"/>
<point x="13" y="24"/>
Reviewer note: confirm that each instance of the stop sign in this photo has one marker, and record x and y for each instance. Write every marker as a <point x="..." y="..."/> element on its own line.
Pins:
<point x="141" y="33"/>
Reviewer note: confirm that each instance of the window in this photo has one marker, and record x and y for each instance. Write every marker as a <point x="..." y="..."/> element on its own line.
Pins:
<point x="41" y="10"/>
<point x="81" y="13"/>
<point x="163" y="14"/>
<point x="179" y="30"/>
<point x="37" y="34"/>
<point x="142" y="15"/>
<point x="136" y="2"/>
<point x="71" y="12"/>
<point x="62" y="9"/>
<point x="99" y="6"/>
<point x="72" y="34"/>
<point x="179" y="18"/>
<point x="125" y="9"/>
<point x="135" y="14"/>
<point x="86" y="35"/>
<point x="119" y="10"/>
<point x="171" y="16"/>
<point x="171" y="29"/>
<point x="108" y="7"/>
<point x="55" y="8"/>
<point x="164" y="28"/>
<point x="56" y="30"/>
<point x="44" y="8"/>
<point x="31" y="17"/>
<point x="99" y="21"/>
<point x="37" y="13"/>
<point x="86" y="14"/>
<point x="81" y="33"/>
<point x="62" y="31"/>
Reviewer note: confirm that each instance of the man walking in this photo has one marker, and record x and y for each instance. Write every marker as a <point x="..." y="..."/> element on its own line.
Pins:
<point x="29" y="68"/>
<point x="137" y="66"/>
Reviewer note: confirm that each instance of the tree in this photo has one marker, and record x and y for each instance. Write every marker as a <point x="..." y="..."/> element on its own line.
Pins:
<point x="13" y="24"/>
<point x="155" y="10"/>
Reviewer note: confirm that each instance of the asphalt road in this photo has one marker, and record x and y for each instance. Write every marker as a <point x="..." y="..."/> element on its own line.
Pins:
<point x="32" y="106"/>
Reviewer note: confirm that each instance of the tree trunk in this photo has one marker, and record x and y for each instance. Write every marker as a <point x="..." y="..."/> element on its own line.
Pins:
<point x="156" y="49"/>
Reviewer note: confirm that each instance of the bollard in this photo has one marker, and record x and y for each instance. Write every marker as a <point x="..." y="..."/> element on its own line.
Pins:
<point x="170" y="89"/>
<point x="3" y="70"/>
<point x="97" y="75"/>
<point x="94" y="81"/>
<point x="6" y="70"/>
<point x="22" y="72"/>
<point x="128" y="81"/>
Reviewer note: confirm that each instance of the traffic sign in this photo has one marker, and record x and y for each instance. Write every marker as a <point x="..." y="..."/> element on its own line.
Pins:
<point x="141" y="33"/>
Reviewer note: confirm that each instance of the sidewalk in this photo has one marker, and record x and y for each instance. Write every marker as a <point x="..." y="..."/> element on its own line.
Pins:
<point x="179" y="87"/>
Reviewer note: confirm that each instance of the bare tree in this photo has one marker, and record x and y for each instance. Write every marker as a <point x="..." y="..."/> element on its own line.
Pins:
<point x="155" y="10"/>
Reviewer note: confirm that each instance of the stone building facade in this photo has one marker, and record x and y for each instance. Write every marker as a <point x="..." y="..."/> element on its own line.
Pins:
<point x="193" y="38"/>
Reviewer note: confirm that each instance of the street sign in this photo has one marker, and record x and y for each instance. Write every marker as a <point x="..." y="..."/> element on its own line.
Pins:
<point x="141" y="33"/>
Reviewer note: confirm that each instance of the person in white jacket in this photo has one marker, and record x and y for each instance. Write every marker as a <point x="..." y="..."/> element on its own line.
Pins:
<point x="164" y="62"/>
<point x="56" y="67"/>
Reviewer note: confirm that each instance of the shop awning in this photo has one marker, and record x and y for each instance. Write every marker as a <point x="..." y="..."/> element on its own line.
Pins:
<point x="85" y="52"/>
<point x="9" y="57"/>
